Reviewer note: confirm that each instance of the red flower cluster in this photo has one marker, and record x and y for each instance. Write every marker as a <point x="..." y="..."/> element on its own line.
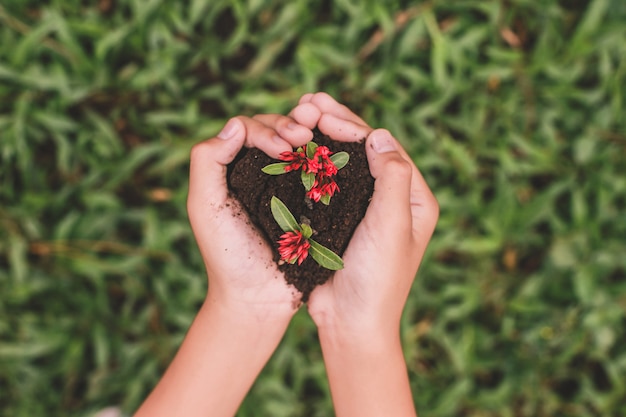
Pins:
<point x="324" y="165"/>
<point x="297" y="160"/>
<point x="321" y="165"/>
<point x="321" y="187"/>
<point x="293" y="246"/>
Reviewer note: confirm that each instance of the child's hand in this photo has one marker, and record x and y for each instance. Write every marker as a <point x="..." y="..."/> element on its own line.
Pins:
<point x="358" y="311"/>
<point x="242" y="273"/>
<point x="386" y="249"/>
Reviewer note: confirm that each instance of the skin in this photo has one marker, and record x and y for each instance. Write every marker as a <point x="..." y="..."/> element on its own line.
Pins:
<point x="358" y="311"/>
<point x="246" y="314"/>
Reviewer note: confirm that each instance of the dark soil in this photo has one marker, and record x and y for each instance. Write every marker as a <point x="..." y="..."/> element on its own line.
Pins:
<point x="333" y="225"/>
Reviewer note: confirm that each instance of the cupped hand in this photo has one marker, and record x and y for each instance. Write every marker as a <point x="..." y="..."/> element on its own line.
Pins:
<point x="382" y="258"/>
<point x="242" y="274"/>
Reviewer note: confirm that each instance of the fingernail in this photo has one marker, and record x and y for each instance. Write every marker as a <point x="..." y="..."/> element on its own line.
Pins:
<point x="229" y="130"/>
<point x="382" y="141"/>
<point x="292" y="126"/>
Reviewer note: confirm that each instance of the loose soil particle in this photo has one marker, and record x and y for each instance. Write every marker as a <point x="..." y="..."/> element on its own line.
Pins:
<point x="333" y="225"/>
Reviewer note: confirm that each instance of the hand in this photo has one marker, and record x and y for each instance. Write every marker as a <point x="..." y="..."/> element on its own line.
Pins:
<point x="242" y="274"/>
<point x="248" y="305"/>
<point x="385" y="251"/>
<point x="358" y="310"/>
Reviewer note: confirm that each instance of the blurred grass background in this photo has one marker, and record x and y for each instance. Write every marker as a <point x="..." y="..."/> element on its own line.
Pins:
<point x="514" y="110"/>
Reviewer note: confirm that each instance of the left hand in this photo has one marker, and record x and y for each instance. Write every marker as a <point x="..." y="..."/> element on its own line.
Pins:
<point x="242" y="274"/>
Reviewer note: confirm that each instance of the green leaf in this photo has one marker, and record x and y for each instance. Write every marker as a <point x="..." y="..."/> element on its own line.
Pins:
<point x="307" y="232"/>
<point x="283" y="216"/>
<point x="275" y="169"/>
<point x="340" y="159"/>
<point x="308" y="179"/>
<point x="310" y="149"/>
<point x="325" y="257"/>
<point x="325" y="199"/>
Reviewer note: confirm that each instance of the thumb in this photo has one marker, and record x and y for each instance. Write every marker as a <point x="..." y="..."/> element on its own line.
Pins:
<point x="390" y="205"/>
<point x="208" y="162"/>
<point x="400" y="189"/>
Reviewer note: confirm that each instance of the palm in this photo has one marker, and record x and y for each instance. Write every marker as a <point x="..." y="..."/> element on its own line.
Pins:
<point x="351" y="292"/>
<point x="240" y="263"/>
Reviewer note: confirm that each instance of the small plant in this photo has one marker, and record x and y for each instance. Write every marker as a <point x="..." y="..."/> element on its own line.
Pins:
<point x="318" y="167"/>
<point x="295" y="244"/>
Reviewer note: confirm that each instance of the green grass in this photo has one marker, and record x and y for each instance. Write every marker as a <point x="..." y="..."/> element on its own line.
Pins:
<point x="515" y="112"/>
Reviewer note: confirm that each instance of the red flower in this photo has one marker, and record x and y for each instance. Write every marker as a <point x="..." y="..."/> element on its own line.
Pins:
<point x="330" y="188"/>
<point x="296" y="159"/>
<point x="293" y="246"/>
<point x="314" y="194"/>
<point x="329" y="169"/>
<point x="320" y="165"/>
<point x="312" y="166"/>
<point x="326" y="166"/>
<point x="321" y="187"/>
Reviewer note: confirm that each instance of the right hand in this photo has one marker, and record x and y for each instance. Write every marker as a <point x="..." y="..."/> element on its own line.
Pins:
<point x="367" y="296"/>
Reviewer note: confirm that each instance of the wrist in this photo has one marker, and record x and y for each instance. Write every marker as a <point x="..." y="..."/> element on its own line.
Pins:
<point x="359" y="326"/>
<point x="250" y="316"/>
<point x="364" y="336"/>
<point x="367" y="372"/>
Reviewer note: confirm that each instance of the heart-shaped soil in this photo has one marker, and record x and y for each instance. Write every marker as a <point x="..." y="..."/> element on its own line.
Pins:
<point x="333" y="224"/>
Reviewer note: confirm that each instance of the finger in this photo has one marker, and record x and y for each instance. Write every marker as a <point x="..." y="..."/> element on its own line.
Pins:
<point x="341" y="129"/>
<point x="423" y="204"/>
<point x="392" y="186"/>
<point x="424" y="209"/>
<point x="263" y="137"/>
<point x="287" y="128"/>
<point x="329" y="105"/>
<point x="208" y="161"/>
<point x="306" y="114"/>
<point x="306" y="98"/>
